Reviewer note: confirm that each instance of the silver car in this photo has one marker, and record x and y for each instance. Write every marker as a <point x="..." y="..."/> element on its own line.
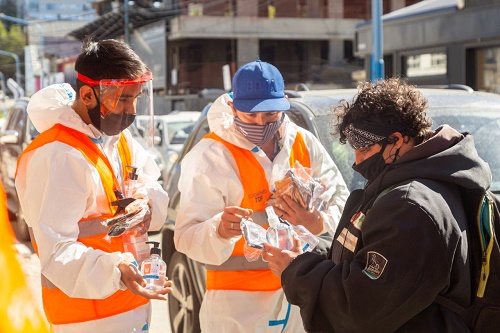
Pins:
<point x="467" y="111"/>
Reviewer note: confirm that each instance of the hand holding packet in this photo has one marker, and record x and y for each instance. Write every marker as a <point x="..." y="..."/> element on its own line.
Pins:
<point x="133" y="215"/>
<point x="300" y="186"/>
<point x="255" y="236"/>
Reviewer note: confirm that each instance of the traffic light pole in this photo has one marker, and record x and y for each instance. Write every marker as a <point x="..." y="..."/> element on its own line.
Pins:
<point x="377" y="56"/>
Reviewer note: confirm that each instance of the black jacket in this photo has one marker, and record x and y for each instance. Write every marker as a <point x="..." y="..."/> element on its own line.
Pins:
<point x="385" y="270"/>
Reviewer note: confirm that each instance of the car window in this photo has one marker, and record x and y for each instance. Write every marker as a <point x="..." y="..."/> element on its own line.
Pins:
<point x="484" y="127"/>
<point x="12" y="119"/>
<point x="181" y="135"/>
<point x="178" y="131"/>
<point x="33" y="133"/>
<point x="17" y="121"/>
<point x="297" y="117"/>
<point x="203" y="130"/>
<point x="342" y="154"/>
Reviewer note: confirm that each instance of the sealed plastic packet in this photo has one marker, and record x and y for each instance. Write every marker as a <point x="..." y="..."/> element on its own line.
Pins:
<point x="299" y="185"/>
<point x="255" y="237"/>
<point x="126" y="225"/>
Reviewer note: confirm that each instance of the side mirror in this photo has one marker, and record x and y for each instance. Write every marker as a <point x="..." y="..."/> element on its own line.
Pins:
<point x="10" y="137"/>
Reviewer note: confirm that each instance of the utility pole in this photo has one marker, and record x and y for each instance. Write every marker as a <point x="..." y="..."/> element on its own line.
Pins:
<point x="125" y="21"/>
<point x="377" y="56"/>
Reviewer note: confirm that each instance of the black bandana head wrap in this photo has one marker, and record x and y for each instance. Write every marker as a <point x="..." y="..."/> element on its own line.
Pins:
<point x="366" y="133"/>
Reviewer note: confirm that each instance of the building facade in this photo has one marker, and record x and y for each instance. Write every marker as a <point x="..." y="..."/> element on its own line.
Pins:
<point x="310" y="41"/>
<point x="440" y="42"/>
<point x="53" y="10"/>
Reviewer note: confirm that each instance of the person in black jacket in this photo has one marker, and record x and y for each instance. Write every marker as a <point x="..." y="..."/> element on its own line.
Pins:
<point x="402" y="240"/>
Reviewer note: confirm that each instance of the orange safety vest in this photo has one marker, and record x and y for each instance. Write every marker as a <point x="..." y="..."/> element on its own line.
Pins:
<point x="237" y="273"/>
<point x="59" y="307"/>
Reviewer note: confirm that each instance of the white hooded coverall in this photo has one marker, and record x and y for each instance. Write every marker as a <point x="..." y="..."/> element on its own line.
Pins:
<point x="57" y="187"/>
<point x="209" y="182"/>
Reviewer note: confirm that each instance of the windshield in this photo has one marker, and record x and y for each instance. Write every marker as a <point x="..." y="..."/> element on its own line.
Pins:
<point x="483" y="124"/>
<point x="485" y="128"/>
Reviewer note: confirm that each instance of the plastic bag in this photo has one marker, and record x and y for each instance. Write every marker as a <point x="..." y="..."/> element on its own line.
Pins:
<point x="300" y="186"/>
<point x="255" y="237"/>
<point x="133" y="215"/>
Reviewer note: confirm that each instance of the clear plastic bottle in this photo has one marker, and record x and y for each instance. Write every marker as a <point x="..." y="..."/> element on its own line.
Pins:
<point x="278" y="234"/>
<point x="154" y="269"/>
<point x="132" y="241"/>
<point x="307" y="239"/>
<point x="136" y="244"/>
<point x="131" y="181"/>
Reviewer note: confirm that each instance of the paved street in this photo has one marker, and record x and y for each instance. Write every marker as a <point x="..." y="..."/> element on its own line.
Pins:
<point x="31" y="265"/>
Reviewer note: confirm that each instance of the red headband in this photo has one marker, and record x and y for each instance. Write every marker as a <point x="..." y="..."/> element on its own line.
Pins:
<point x="145" y="78"/>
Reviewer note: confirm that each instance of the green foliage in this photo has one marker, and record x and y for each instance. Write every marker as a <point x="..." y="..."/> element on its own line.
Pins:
<point x="11" y="40"/>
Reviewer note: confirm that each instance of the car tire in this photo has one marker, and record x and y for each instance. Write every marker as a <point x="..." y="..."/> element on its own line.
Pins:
<point x="183" y="304"/>
<point x="22" y="228"/>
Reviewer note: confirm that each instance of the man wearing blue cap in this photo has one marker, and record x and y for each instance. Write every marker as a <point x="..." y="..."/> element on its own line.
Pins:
<point x="229" y="175"/>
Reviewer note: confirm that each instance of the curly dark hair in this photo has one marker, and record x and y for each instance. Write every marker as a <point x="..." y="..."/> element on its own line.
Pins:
<point x="393" y="101"/>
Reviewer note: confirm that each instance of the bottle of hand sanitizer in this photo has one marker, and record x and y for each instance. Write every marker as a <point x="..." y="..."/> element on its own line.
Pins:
<point x="131" y="181"/>
<point x="154" y="269"/>
<point x="307" y="239"/>
<point x="278" y="234"/>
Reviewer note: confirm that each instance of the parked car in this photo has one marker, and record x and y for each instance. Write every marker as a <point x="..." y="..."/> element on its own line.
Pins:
<point x="475" y="112"/>
<point x="170" y="132"/>
<point x="17" y="133"/>
<point x="157" y="155"/>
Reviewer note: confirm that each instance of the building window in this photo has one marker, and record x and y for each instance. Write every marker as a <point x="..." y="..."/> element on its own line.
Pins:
<point x="426" y="64"/>
<point x="488" y="69"/>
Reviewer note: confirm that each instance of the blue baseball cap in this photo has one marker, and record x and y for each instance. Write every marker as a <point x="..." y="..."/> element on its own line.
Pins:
<point x="259" y="87"/>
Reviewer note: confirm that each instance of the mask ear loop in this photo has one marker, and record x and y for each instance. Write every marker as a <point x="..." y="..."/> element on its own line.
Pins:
<point x="96" y="98"/>
<point x="396" y="154"/>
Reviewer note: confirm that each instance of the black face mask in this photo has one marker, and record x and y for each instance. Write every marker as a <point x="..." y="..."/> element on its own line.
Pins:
<point x="112" y="124"/>
<point x="372" y="166"/>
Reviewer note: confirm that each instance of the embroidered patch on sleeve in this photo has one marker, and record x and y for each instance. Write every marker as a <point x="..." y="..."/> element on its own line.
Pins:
<point x="375" y="265"/>
<point x="357" y="220"/>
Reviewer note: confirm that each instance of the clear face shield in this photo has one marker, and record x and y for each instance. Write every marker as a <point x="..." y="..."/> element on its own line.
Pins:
<point x="121" y="103"/>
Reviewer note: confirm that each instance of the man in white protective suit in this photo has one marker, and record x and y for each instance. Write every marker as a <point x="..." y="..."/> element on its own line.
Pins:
<point x="71" y="181"/>
<point x="229" y="175"/>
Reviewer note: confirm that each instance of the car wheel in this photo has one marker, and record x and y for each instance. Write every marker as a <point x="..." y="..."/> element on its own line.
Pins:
<point x="22" y="227"/>
<point x="183" y="304"/>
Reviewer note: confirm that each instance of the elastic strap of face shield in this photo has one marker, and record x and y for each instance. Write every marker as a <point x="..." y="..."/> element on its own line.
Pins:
<point x="143" y="79"/>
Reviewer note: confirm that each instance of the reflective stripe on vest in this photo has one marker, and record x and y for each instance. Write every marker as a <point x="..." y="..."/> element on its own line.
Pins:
<point x="59" y="307"/>
<point x="237" y="273"/>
